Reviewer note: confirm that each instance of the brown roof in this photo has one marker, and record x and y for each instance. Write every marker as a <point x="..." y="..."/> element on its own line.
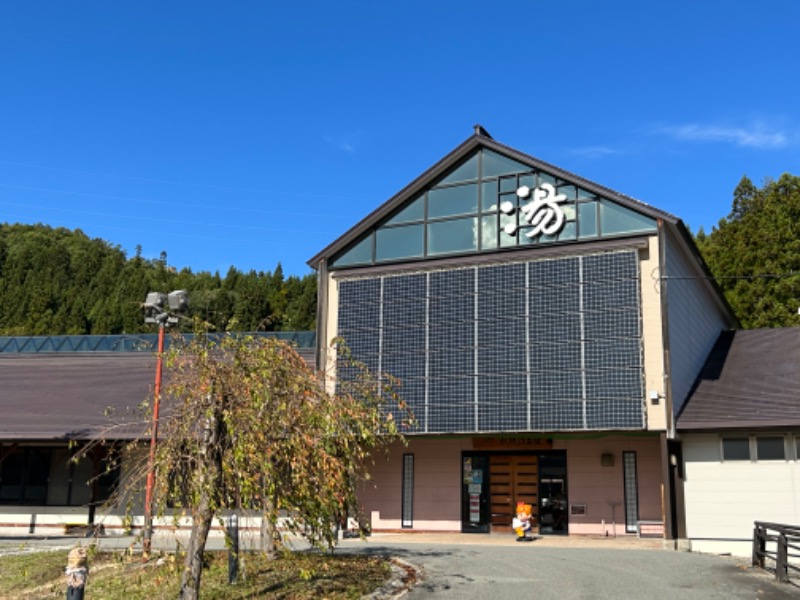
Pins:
<point x="80" y="395"/>
<point x="750" y="380"/>
<point x="67" y="396"/>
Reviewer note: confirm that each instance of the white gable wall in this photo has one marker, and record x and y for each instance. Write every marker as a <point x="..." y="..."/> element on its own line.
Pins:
<point x="696" y="317"/>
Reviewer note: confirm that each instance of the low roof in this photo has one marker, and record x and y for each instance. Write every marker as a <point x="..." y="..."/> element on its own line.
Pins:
<point x="78" y="395"/>
<point x="750" y="380"/>
<point x="74" y="396"/>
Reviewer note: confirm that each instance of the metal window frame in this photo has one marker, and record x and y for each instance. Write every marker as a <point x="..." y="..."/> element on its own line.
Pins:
<point x="407" y="494"/>
<point x="750" y="448"/>
<point x="630" y="477"/>
<point x="780" y="436"/>
<point x="536" y="171"/>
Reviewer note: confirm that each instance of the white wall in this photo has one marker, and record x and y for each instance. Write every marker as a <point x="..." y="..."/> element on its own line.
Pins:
<point x="724" y="498"/>
<point x="696" y="318"/>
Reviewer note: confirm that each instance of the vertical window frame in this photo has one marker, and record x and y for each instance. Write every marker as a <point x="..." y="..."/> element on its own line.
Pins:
<point x="407" y="493"/>
<point x="630" y="490"/>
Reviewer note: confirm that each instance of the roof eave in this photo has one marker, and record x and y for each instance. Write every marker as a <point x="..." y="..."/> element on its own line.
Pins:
<point x="734" y="425"/>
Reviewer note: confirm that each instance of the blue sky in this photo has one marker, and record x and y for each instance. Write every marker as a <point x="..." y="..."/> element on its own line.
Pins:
<point x="252" y="133"/>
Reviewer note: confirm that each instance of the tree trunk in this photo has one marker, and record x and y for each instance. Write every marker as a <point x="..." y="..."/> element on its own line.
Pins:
<point x="210" y="477"/>
<point x="193" y="566"/>
<point x="268" y="531"/>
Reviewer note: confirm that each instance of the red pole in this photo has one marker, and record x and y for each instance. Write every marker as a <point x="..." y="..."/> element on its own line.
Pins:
<point x="148" y="493"/>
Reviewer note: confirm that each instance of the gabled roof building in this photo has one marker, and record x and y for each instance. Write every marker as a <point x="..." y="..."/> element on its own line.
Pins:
<point x="59" y="393"/>
<point x="740" y="433"/>
<point x="546" y="330"/>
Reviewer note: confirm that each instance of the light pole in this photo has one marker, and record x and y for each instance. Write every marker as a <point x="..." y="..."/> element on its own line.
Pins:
<point x="161" y="309"/>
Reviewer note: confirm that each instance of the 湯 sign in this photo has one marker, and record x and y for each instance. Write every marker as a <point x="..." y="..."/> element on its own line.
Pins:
<point x="542" y="213"/>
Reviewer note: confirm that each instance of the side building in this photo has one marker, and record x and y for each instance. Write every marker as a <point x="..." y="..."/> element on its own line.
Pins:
<point x="60" y="393"/>
<point x="741" y="440"/>
<point x="545" y="329"/>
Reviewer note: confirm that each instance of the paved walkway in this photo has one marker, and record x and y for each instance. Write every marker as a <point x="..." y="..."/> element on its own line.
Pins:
<point x="496" y="567"/>
<point x="489" y="567"/>
<point x="509" y="539"/>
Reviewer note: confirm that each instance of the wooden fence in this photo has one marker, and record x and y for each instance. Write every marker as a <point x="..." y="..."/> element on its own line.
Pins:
<point x="780" y="544"/>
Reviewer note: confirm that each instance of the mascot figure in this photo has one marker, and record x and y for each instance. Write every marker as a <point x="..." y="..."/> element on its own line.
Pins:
<point x="522" y="522"/>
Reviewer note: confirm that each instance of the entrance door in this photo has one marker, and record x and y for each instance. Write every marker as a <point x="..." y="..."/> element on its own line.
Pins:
<point x="553" y="493"/>
<point x="513" y="478"/>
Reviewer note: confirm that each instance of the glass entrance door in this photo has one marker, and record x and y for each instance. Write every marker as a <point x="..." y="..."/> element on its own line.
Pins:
<point x="553" y="494"/>
<point x="475" y="493"/>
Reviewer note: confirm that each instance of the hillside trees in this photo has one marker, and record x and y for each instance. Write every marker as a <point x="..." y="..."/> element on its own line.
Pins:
<point x="754" y="253"/>
<point x="54" y="281"/>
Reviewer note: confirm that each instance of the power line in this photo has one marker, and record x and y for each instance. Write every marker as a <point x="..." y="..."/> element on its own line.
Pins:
<point x="733" y="277"/>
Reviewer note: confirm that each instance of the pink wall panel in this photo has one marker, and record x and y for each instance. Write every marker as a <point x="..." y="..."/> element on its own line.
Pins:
<point x="437" y="489"/>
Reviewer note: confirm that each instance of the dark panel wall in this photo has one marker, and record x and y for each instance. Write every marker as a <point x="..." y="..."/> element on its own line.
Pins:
<point x="543" y="345"/>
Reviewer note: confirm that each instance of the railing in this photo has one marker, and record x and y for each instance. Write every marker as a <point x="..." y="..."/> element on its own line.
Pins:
<point x="779" y="543"/>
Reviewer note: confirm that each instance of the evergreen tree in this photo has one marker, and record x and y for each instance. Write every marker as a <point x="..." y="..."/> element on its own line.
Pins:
<point x="754" y="253"/>
<point x="57" y="281"/>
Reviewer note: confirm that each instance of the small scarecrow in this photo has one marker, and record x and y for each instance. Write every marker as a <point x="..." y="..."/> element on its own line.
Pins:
<point x="76" y="572"/>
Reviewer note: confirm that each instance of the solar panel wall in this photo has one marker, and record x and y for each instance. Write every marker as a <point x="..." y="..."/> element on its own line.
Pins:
<point x="544" y="345"/>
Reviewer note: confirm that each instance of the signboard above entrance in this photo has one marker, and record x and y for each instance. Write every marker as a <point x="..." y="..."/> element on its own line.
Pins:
<point x="511" y="442"/>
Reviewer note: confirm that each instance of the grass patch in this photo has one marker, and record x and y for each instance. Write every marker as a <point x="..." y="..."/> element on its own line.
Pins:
<point x="115" y="575"/>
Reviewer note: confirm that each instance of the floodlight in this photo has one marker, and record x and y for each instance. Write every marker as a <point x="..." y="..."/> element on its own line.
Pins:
<point x="178" y="300"/>
<point x="155" y="300"/>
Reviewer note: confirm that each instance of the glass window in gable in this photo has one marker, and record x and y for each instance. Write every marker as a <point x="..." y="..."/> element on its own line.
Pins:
<point x="587" y="220"/>
<point x="399" y="242"/>
<point x="467" y="171"/>
<point x="415" y="211"/>
<point x="529" y="180"/>
<point x="545" y="178"/>
<point x="451" y="201"/>
<point x="508" y="184"/>
<point x="489" y="231"/>
<point x="359" y="254"/>
<point x="568" y="191"/>
<point x="488" y="196"/>
<point x="507" y="240"/>
<point x="619" y="219"/>
<point x="570" y="232"/>
<point x="547" y="239"/>
<point x="458" y="235"/>
<point x="495" y="165"/>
